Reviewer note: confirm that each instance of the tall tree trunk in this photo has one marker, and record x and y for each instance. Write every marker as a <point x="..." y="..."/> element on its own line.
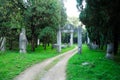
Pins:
<point x="45" y="46"/>
<point x="11" y="45"/>
<point x="52" y="45"/>
<point x="36" y="42"/>
<point x="116" y="40"/>
<point x="48" y="44"/>
<point x="33" y="41"/>
<point x="101" y="46"/>
<point x="45" y="43"/>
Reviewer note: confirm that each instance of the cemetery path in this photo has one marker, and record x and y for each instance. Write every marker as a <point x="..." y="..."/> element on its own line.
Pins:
<point x="50" y="69"/>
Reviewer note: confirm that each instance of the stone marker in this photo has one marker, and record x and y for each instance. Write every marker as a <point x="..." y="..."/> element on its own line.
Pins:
<point x="59" y="40"/>
<point x="2" y="45"/>
<point x="79" y="39"/>
<point x="71" y="38"/>
<point x="110" y="49"/>
<point x="38" y="42"/>
<point x="22" y="41"/>
<point x="88" y="39"/>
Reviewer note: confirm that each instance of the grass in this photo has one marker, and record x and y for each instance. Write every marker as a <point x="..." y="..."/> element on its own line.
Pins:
<point x="13" y="63"/>
<point x="99" y="67"/>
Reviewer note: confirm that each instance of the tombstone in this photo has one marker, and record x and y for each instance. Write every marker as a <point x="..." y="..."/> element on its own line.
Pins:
<point x="3" y="42"/>
<point x="71" y="38"/>
<point x="94" y="46"/>
<point x="59" y="40"/>
<point x="110" y="50"/>
<point x="79" y="39"/>
<point x="88" y="39"/>
<point x="22" y="41"/>
<point x="38" y="42"/>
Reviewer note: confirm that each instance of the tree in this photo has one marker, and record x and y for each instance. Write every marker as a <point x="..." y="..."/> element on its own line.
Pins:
<point x="47" y="36"/>
<point x="11" y="19"/>
<point x="41" y="15"/>
<point x="102" y="20"/>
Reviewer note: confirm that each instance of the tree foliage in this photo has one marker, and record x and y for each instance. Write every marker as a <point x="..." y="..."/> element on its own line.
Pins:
<point x="73" y="20"/>
<point x="11" y="20"/>
<point x="41" y="14"/>
<point x="39" y="17"/>
<point x="101" y="18"/>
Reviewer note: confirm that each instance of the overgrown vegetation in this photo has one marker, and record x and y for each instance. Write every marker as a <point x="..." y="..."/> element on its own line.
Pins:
<point x="99" y="68"/>
<point x="13" y="63"/>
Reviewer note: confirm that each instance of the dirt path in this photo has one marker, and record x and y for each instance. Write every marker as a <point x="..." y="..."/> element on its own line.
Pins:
<point x="50" y="69"/>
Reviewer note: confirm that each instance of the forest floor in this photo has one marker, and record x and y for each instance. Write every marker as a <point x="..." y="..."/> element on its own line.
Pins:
<point x="50" y="69"/>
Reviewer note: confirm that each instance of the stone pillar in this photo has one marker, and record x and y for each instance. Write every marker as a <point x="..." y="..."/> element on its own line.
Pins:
<point x="22" y="41"/>
<point x="59" y="40"/>
<point x="88" y="39"/>
<point x="3" y="43"/>
<point x="79" y="39"/>
<point x="71" y="38"/>
<point x="38" y="42"/>
<point x="110" y="50"/>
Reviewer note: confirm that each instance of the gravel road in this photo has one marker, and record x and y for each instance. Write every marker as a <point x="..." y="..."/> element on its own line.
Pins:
<point x="50" y="69"/>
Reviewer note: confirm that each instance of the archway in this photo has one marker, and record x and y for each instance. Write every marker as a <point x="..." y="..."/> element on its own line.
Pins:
<point x="69" y="28"/>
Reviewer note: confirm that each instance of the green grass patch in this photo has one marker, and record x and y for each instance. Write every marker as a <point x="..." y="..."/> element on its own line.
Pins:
<point x="99" y="68"/>
<point x="13" y="63"/>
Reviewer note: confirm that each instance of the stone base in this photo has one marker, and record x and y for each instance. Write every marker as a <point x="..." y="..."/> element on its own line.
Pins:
<point x="22" y="51"/>
<point x="109" y="56"/>
<point x="79" y="50"/>
<point x="92" y="46"/>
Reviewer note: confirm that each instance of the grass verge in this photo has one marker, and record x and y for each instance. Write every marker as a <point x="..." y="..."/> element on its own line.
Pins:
<point x="99" y="67"/>
<point x="13" y="63"/>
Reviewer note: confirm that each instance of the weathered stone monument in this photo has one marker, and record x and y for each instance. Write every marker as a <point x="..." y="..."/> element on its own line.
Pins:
<point x="22" y="41"/>
<point x="59" y="40"/>
<point x="93" y="45"/>
<point x="79" y="39"/>
<point x="110" y="49"/>
<point x="2" y="43"/>
<point x="88" y="39"/>
<point x="68" y="28"/>
<point x="38" y="41"/>
<point x="71" y="38"/>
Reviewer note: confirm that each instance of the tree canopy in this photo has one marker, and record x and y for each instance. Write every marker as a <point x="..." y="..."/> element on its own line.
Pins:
<point x="37" y="16"/>
<point x="43" y="15"/>
<point x="101" y="18"/>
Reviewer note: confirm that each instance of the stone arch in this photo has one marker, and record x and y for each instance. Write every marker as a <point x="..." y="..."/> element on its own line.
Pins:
<point x="69" y="28"/>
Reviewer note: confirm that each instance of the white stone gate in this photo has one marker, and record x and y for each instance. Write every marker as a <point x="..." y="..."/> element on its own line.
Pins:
<point x="69" y="28"/>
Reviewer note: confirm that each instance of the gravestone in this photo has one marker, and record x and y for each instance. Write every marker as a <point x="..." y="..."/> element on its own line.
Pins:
<point x="71" y="38"/>
<point x="79" y="39"/>
<point x="88" y="39"/>
<point x="110" y="49"/>
<point x="94" y="45"/>
<point x="22" y="41"/>
<point x="3" y="42"/>
<point x="38" y="42"/>
<point x="59" y="40"/>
